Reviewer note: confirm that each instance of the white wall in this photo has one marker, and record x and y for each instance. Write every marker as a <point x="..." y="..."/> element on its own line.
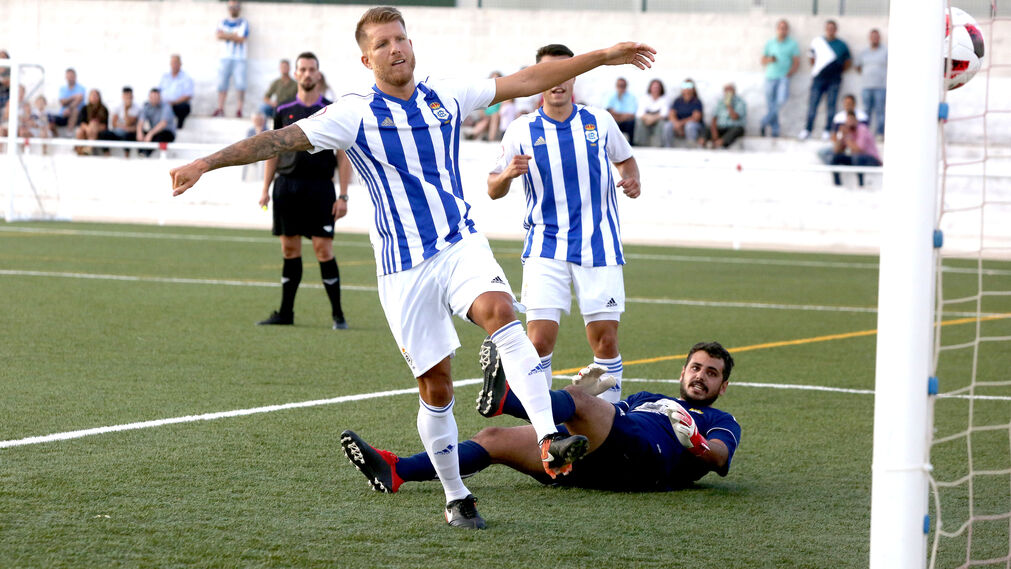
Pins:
<point x="117" y="42"/>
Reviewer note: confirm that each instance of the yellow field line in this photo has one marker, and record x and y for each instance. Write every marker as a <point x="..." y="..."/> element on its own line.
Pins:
<point x="797" y="342"/>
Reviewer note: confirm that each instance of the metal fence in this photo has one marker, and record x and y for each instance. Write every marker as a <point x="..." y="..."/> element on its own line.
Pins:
<point x="811" y="7"/>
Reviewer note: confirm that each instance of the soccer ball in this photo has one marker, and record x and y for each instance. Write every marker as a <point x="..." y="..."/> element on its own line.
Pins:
<point x="962" y="36"/>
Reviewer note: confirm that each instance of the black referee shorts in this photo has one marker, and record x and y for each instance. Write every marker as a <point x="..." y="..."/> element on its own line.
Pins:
<point x="303" y="206"/>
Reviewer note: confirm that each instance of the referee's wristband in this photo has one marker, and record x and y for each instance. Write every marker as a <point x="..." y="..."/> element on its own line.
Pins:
<point x="343" y="197"/>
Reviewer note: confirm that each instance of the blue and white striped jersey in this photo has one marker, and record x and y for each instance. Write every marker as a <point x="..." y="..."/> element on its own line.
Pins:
<point x="407" y="154"/>
<point x="572" y="209"/>
<point x="239" y="26"/>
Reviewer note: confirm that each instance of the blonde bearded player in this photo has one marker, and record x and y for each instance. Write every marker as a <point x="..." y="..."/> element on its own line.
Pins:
<point x="432" y="262"/>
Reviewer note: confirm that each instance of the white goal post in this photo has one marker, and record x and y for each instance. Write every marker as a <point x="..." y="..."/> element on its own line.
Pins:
<point x="899" y="491"/>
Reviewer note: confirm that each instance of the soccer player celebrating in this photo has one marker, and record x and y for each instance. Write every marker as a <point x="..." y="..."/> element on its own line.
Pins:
<point x="648" y="442"/>
<point x="564" y="153"/>
<point x="402" y="138"/>
<point x="305" y="202"/>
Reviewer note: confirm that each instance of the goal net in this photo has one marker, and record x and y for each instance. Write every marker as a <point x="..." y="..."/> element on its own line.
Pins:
<point x="970" y="448"/>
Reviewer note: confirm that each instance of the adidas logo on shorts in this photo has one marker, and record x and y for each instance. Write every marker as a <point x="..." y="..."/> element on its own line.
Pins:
<point x="611" y="304"/>
<point x="497" y="280"/>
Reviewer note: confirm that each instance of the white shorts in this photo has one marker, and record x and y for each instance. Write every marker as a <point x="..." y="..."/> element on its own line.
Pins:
<point x="420" y="302"/>
<point x="600" y="291"/>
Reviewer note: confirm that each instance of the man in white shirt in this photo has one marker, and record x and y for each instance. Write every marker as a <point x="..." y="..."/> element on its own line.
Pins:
<point x="402" y="137"/>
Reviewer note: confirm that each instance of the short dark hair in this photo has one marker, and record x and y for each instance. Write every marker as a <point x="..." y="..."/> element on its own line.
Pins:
<point x="128" y="89"/>
<point x="850" y="96"/>
<point x="377" y="15"/>
<point x="155" y="90"/>
<point x="663" y="91"/>
<point x="554" y="49"/>
<point x="827" y="22"/>
<point x="716" y="350"/>
<point x="306" y="55"/>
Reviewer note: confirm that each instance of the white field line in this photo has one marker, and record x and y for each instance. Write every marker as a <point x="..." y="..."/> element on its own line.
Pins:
<point x="635" y="256"/>
<point x="633" y="300"/>
<point x="375" y="395"/>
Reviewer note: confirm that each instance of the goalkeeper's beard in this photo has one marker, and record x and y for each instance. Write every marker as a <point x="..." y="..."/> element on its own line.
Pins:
<point x="697" y="402"/>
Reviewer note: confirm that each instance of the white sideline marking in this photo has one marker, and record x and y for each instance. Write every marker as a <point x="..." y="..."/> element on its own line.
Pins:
<point x="641" y="256"/>
<point x="633" y="300"/>
<point x="363" y="396"/>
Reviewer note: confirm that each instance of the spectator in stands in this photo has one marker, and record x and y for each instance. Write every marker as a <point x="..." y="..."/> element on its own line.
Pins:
<point x="487" y="124"/>
<point x="872" y="65"/>
<point x="781" y="58"/>
<point x="507" y="113"/>
<point x="24" y="114"/>
<point x="281" y="90"/>
<point x="71" y="102"/>
<point x="623" y="105"/>
<point x="96" y="121"/>
<point x="124" y="120"/>
<point x="849" y="103"/>
<point x="39" y="120"/>
<point x="177" y="89"/>
<point x="5" y="80"/>
<point x="156" y="123"/>
<point x="729" y="119"/>
<point x="651" y="115"/>
<point x="259" y="125"/>
<point x="234" y="32"/>
<point x="324" y="89"/>
<point x="855" y="146"/>
<point x="685" y="117"/>
<point x="829" y="57"/>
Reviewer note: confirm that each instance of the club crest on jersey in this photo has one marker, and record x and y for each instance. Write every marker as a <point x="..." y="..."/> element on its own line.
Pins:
<point x="439" y="112"/>
<point x="590" y="131"/>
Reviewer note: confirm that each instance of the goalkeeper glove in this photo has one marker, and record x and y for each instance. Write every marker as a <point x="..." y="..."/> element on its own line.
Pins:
<point x="686" y="431"/>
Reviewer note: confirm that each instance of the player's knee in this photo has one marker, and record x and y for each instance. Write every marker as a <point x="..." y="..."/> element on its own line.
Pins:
<point x="606" y="345"/>
<point x="542" y="344"/>
<point x="435" y="390"/>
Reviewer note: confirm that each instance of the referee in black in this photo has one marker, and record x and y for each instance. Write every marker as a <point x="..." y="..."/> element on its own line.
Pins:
<point x="305" y="201"/>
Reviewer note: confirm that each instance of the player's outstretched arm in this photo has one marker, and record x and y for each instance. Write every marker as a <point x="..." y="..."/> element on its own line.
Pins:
<point x="629" y="172"/>
<point x="260" y="147"/>
<point x="537" y="78"/>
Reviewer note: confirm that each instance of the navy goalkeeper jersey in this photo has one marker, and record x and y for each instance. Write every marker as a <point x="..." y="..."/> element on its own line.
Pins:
<point x="647" y="410"/>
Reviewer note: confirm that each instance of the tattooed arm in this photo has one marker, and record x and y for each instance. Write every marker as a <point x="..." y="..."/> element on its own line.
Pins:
<point x="260" y="147"/>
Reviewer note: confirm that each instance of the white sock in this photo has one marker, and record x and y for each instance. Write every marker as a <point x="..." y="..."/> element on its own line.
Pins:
<point x="613" y="367"/>
<point x="546" y="366"/>
<point x="523" y="371"/>
<point x="437" y="428"/>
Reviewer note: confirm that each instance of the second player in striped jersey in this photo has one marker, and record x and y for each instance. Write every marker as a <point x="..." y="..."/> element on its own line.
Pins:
<point x="403" y="139"/>
<point x="564" y="153"/>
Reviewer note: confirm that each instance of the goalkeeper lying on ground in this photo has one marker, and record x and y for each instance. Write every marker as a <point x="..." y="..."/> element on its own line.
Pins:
<point x="647" y="442"/>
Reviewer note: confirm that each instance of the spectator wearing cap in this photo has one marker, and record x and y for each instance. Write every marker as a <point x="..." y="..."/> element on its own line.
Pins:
<point x="177" y="89"/>
<point x="685" y="117"/>
<point x="156" y="123"/>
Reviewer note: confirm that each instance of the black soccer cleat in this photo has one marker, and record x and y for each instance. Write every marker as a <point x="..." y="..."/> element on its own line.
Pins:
<point x="278" y="319"/>
<point x="462" y="513"/>
<point x="378" y="466"/>
<point x="559" y="451"/>
<point x="493" y="393"/>
<point x="340" y="324"/>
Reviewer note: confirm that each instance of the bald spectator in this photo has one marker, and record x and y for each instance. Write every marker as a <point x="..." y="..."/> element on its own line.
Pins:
<point x="623" y="105"/>
<point x="177" y="89"/>
<point x="281" y="90"/>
